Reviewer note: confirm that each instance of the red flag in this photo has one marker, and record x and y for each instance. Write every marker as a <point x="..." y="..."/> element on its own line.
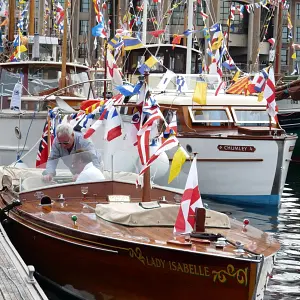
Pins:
<point x="191" y="199"/>
<point x="157" y="33"/>
<point x="42" y="155"/>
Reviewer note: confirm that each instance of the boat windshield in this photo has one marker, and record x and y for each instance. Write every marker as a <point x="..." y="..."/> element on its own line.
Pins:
<point x="38" y="79"/>
<point x="118" y="165"/>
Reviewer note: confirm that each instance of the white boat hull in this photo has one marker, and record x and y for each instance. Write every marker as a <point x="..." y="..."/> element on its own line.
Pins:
<point x="254" y="178"/>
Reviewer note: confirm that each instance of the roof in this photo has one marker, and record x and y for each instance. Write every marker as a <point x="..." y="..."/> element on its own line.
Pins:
<point x="43" y="63"/>
<point x="222" y="99"/>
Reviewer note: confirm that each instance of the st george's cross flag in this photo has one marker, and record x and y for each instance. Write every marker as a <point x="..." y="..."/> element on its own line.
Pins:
<point x="191" y="199"/>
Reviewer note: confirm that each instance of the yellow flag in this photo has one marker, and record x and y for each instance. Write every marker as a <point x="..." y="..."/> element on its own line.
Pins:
<point x="236" y="75"/>
<point x="21" y="48"/>
<point x="217" y="44"/>
<point x="179" y="159"/>
<point x="200" y="92"/>
<point x="150" y="62"/>
<point x="294" y="55"/>
<point x="260" y="97"/>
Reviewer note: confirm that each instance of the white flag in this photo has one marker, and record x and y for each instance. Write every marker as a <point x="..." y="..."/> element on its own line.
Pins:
<point x="16" y="97"/>
<point x="165" y="80"/>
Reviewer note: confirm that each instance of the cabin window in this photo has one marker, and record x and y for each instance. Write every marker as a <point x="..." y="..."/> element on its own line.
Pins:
<point x="210" y="116"/>
<point x="177" y="62"/>
<point x="251" y="117"/>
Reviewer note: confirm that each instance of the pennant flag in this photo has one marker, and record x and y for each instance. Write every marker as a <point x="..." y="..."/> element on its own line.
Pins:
<point x="165" y="80"/>
<point x="172" y="126"/>
<point x="269" y="94"/>
<point x="21" y="49"/>
<point x="113" y="71"/>
<point x="166" y="145"/>
<point x="296" y="70"/>
<point x="239" y="86"/>
<point x="129" y="89"/>
<point x="115" y="43"/>
<point x="200" y="92"/>
<point x="176" y="40"/>
<point x="181" y="84"/>
<point x="179" y="159"/>
<point x="294" y="55"/>
<point x="99" y="30"/>
<point x="191" y="199"/>
<point x="229" y="64"/>
<point x="148" y="64"/>
<point x="42" y="155"/>
<point x="236" y="75"/>
<point x="272" y="42"/>
<point x="131" y="43"/>
<point x="157" y="33"/>
<point x="112" y="125"/>
<point x="188" y="32"/>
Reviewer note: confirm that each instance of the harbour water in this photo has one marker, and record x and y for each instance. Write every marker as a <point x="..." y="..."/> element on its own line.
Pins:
<point x="284" y="223"/>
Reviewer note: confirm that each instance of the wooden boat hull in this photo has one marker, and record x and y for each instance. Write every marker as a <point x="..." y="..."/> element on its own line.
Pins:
<point x="129" y="270"/>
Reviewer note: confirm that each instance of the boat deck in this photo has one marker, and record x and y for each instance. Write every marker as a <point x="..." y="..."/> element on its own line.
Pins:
<point x="60" y="214"/>
<point x="15" y="282"/>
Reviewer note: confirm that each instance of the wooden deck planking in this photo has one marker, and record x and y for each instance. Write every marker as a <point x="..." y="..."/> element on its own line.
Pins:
<point x="253" y="239"/>
<point x="13" y="274"/>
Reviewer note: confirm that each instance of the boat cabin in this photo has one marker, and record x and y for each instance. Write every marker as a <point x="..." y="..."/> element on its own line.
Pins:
<point x="41" y="78"/>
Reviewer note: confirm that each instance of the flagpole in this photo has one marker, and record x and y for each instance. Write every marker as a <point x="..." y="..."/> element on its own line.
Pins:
<point x="64" y="47"/>
<point x="146" y="197"/>
<point x="11" y="26"/>
<point x="228" y="27"/>
<point x="48" y="132"/>
<point x="31" y="17"/>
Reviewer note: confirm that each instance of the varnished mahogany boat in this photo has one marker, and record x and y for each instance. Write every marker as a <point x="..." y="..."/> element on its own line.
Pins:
<point x="109" y="248"/>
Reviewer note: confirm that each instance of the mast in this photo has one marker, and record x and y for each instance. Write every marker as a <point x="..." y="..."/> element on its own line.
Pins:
<point x="64" y="47"/>
<point x="11" y="26"/>
<point x="145" y="15"/>
<point x="189" y="38"/>
<point x="277" y="67"/>
<point x="146" y="197"/>
<point x="31" y="17"/>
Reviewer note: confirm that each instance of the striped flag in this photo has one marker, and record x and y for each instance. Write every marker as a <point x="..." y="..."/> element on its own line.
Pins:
<point x="239" y="86"/>
<point x="166" y="145"/>
<point x="191" y="199"/>
<point x="162" y="85"/>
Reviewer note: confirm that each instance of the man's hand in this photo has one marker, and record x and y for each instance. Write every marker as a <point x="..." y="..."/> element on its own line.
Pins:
<point x="47" y="178"/>
<point x="75" y="177"/>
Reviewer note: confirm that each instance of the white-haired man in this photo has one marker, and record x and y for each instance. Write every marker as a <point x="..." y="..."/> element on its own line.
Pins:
<point x="66" y="142"/>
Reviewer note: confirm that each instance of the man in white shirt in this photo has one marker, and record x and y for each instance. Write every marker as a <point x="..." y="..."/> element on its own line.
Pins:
<point x="83" y="163"/>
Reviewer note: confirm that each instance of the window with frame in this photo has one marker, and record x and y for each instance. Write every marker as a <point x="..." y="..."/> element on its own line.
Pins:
<point x="298" y="34"/>
<point x="82" y="51"/>
<point x="177" y="17"/>
<point x="215" y="116"/>
<point x="285" y="34"/>
<point x="83" y="27"/>
<point x="239" y="24"/>
<point x="251" y="116"/>
<point x="283" y="57"/>
<point x="199" y="18"/>
<point x="84" y="5"/>
<point x="298" y="11"/>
